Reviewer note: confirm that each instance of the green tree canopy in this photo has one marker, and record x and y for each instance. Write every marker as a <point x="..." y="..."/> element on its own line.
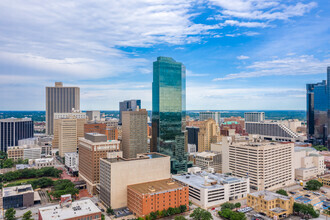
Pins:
<point x="313" y="185"/>
<point x="27" y="216"/>
<point x="10" y="214"/>
<point x="110" y="211"/>
<point x="320" y="148"/>
<point x="179" y="218"/>
<point x="201" y="214"/>
<point x="282" y="192"/>
<point x="299" y="208"/>
<point x="227" y="205"/>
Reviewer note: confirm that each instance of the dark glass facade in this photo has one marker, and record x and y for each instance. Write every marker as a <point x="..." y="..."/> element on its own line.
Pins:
<point x="12" y="130"/>
<point x="193" y="136"/>
<point x="318" y="111"/>
<point x="169" y="135"/>
<point x="128" y="105"/>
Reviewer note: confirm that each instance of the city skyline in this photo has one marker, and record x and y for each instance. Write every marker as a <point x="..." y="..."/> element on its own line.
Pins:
<point x="252" y="53"/>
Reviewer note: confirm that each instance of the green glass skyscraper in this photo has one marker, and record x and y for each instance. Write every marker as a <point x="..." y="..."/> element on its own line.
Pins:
<point x="169" y="111"/>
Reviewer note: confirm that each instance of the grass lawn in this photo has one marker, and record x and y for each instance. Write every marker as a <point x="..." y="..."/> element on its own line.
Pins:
<point x="20" y="181"/>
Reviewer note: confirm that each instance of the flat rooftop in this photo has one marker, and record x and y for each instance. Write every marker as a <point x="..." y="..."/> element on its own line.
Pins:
<point x="145" y="156"/>
<point x="15" y="119"/>
<point x="262" y="143"/>
<point x="268" y="195"/>
<point x="156" y="186"/>
<point x="207" y="180"/>
<point x="278" y="210"/>
<point x="17" y="190"/>
<point x="206" y="154"/>
<point x="76" y="209"/>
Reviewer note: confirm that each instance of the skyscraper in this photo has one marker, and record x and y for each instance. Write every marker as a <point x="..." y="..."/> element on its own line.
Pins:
<point x="134" y="133"/>
<point x="169" y="111"/>
<point x="14" y="129"/>
<point x="214" y="115"/>
<point x="318" y="111"/>
<point x="60" y="99"/>
<point x="128" y="105"/>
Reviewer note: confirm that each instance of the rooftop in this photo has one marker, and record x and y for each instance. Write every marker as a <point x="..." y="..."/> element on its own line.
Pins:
<point x="207" y="180"/>
<point x="259" y="144"/>
<point x="278" y="210"/>
<point x="297" y="149"/>
<point x="156" y="186"/>
<point x="44" y="160"/>
<point x="268" y="195"/>
<point x="206" y="154"/>
<point x="76" y="209"/>
<point x="145" y="156"/>
<point x="17" y="190"/>
<point x="12" y="119"/>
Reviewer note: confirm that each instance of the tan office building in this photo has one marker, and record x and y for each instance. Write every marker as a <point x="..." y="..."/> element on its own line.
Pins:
<point x="134" y="133"/>
<point x="60" y="99"/>
<point x="208" y="133"/>
<point x="117" y="173"/>
<point x="274" y="205"/>
<point x="268" y="165"/>
<point x="91" y="148"/>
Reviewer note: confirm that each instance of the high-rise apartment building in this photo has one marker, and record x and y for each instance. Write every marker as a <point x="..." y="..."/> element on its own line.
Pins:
<point x="208" y="133"/>
<point x="14" y="129"/>
<point x="254" y="116"/>
<point x="91" y="148"/>
<point x="60" y="99"/>
<point x="169" y="111"/>
<point x="269" y="165"/>
<point x="117" y="173"/>
<point x="207" y="115"/>
<point x="318" y="111"/>
<point x="93" y="116"/>
<point x="128" y="105"/>
<point x="134" y="133"/>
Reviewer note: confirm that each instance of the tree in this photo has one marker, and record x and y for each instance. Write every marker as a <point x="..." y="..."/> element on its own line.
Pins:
<point x="225" y="213"/>
<point x="320" y="148"/>
<point x="27" y="216"/>
<point x="313" y="185"/>
<point x="171" y="211"/>
<point x="10" y="214"/>
<point x="110" y="211"/>
<point x="183" y="208"/>
<point x="237" y="205"/>
<point x="201" y="214"/>
<point x="227" y="205"/>
<point x="299" y="209"/>
<point x="180" y="218"/>
<point x="229" y="214"/>
<point x="8" y="163"/>
<point x="327" y="212"/>
<point x="190" y="203"/>
<point x="282" y="192"/>
<point x="102" y="217"/>
<point x="153" y="215"/>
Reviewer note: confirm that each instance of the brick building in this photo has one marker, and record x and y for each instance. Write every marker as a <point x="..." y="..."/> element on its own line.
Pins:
<point x="155" y="196"/>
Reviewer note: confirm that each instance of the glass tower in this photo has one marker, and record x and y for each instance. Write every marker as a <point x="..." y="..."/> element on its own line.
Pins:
<point x="318" y="111"/>
<point x="169" y="134"/>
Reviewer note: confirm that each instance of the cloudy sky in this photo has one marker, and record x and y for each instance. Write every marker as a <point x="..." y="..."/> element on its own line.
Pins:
<point x="239" y="54"/>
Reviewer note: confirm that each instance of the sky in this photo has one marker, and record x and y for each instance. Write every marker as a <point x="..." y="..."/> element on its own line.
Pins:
<point x="239" y="54"/>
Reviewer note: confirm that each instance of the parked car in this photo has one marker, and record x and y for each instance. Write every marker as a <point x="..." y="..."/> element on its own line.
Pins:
<point x="292" y="193"/>
<point x="22" y="208"/>
<point x="307" y="195"/>
<point x="305" y="188"/>
<point x="316" y="193"/>
<point x="261" y="213"/>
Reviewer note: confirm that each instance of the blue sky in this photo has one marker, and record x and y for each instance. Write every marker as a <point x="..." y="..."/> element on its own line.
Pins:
<point x="239" y="54"/>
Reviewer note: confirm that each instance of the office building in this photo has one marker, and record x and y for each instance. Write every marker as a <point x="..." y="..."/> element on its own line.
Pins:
<point x="209" y="190"/>
<point x="209" y="160"/>
<point x="42" y="162"/>
<point x="269" y="165"/>
<point x="192" y="139"/>
<point x="318" y="114"/>
<point x="254" y="116"/>
<point x="308" y="163"/>
<point x="95" y="128"/>
<point x="75" y="117"/>
<point x="91" y="148"/>
<point x="18" y="196"/>
<point x="93" y="116"/>
<point x="28" y="141"/>
<point x="128" y="105"/>
<point x="60" y="99"/>
<point x="134" y="133"/>
<point x="68" y="210"/>
<point x="213" y="115"/>
<point x="236" y="123"/>
<point x="144" y="198"/>
<point x="275" y="131"/>
<point x="112" y="133"/>
<point x="274" y="205"/>
<point x="72" y="161"/>
<point x="169" y="111"/>
<point x="208" y="133"/>
<point x="14" y="129"/>
<point x="117" y="173"/>
<point x="24" y="152"/>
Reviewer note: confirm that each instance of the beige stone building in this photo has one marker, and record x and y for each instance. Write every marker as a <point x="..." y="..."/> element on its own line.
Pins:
<point x="24" y="152"/>
<point x="208" y="160"/>
<point x="308" y="163"/>
<point x="208" y="133"/>
<point x="269" y="165"/>
<point x="134" y="133"/>
<point x="117" y="173"/>
<point x="274" y="205"/>
<point x="91" y="148"/>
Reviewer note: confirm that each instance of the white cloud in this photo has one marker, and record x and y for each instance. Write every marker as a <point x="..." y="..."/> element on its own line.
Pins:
<point x="244" y="24"/>
<point x="299" y="65"/>
<point x="242" y="57"/>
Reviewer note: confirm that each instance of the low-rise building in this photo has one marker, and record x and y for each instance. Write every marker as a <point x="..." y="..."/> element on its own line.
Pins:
<point x="17" y="196"/>
<point x="308" y="163"/>
<point x="208" y="190"/>
<point x="272" y="204"/>
<point x="44" y="162"/>
<point x="155" y="196"/>
<point x="68" y="210"/>
<point x="209" y="160"/>
<point x="117" y="173"/>
<point x="24" y="152"/>
<point x="72" y="160"/>
<point x="325" y="180"/>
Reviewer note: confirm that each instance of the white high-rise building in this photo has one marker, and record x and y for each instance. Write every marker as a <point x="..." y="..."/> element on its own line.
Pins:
<point x="254" y="116"/>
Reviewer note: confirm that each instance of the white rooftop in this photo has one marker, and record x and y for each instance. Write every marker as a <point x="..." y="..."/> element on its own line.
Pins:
<point x="75" y="210"/>
<point x="207" y="180"/>
<point x="268" y="195"/>
<point x="44" y="160"/>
